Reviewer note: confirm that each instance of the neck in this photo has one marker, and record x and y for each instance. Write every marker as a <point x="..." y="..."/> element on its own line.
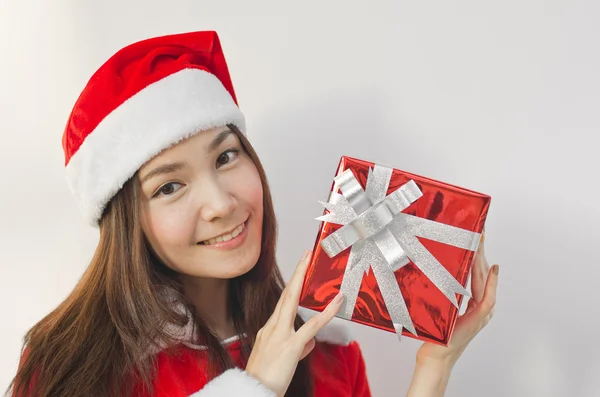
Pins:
<point x="210" y="298"/>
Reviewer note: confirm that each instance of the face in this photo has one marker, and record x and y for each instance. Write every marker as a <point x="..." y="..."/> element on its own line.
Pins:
<point x="202" y="206"/>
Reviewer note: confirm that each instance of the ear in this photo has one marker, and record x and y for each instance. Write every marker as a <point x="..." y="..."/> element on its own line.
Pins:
<point x="335" y="333"/>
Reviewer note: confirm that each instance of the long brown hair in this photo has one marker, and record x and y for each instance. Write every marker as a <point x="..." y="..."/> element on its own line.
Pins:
<point x="96" y="342"/>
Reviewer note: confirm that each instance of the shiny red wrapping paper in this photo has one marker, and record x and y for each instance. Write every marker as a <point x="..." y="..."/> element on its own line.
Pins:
<point x="433" y="315"/>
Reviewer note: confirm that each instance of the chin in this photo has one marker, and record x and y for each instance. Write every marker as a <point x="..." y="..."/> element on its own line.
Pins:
<point x="237" y="272"/>
<point x="229" y="265"/>
<point x="226" y="270"/>
<point x="241" y="261"/>
<point x="221" y="263"/>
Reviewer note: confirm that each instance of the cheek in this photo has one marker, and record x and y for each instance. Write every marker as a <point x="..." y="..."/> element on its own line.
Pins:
<point x="251" y="191"/>
<point x="169" y="229"/>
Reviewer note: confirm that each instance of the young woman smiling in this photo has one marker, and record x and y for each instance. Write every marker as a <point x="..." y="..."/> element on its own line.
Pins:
<point x="183" y="295"/>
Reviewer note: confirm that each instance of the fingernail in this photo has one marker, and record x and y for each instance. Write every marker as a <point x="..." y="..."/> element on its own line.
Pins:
<point x="496" y="269"/>
<point x="338" y="298"/>
<point x="306" y="254"/>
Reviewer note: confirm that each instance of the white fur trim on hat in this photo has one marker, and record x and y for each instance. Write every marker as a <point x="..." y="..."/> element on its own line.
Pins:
<point x="234" y="382"/>
<point x="152" y="120"/>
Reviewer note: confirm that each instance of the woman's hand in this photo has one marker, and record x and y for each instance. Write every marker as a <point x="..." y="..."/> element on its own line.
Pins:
<point x="434" y="362"/>
<point x="278" y="346"/>
<point x="479" y="312"/>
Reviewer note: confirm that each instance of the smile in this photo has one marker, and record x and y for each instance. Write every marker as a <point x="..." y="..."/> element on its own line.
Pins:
<point x="227" y="240"/>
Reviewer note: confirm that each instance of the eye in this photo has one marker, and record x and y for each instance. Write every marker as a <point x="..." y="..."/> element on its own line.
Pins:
<point x="227" y="156"/>
<point x="167" y="189"/>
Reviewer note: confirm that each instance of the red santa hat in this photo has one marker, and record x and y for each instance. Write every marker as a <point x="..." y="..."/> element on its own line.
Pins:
<point x="147" y="97"/>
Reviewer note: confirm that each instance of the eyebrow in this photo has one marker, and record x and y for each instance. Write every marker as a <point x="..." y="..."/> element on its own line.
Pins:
<point x="173" y="167"/>
<point x="163" y="169"/>
<point x="218" y="140"/>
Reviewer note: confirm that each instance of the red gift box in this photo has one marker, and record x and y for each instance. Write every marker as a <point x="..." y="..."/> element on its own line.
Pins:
<point x="400" y="246"/>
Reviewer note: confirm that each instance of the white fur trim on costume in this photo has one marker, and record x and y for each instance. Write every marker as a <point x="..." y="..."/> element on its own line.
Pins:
<point x="234" y="382"/>
<point x="152" y="120"/>
<point x="335" y="332"/>
<point x="224" y="342"/>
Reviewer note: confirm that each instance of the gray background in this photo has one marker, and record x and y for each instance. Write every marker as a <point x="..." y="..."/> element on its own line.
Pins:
<point x="498" y="97"/>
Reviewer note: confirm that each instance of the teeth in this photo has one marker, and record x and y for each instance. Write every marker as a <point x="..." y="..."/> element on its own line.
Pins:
<point x="225" y="237"/>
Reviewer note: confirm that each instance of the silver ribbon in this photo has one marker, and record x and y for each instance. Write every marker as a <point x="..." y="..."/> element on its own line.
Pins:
<point x="384" y="239"/>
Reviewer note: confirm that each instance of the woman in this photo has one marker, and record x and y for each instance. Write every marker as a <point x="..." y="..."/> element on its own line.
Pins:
<point x="183" y="295"/>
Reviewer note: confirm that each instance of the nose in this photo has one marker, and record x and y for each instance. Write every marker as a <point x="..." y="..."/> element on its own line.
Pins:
<point x="216" y="201"/>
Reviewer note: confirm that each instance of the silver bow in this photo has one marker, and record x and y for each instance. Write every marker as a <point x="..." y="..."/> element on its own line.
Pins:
<point x="384" y="239"/>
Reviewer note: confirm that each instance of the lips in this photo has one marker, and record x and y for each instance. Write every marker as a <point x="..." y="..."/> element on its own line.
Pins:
<point x="225" y="237"/>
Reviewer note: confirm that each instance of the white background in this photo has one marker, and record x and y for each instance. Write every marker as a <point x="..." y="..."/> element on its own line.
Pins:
<point x="499" y="97"/>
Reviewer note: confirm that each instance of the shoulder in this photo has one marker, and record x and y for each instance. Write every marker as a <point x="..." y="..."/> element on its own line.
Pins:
<point x="339" y="370"/>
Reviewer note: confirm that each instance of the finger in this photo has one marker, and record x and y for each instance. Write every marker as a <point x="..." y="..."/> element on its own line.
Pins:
<point x="275" y="316"/>
<point x="474" y="320"/>
<point x="479" y="273"/>
<point x="478" y="281"/>
<point x="489" y="297"/>
<point x="289" y="301"/>
<point x="314" y="325"/>
<point x="482" y="261"/>
<point x="471" y="305"/>
<point x="481" y="246"/>
<point x="308" y="348"/>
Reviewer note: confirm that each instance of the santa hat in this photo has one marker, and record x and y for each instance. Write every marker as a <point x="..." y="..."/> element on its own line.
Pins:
<point x="147" y="97"/>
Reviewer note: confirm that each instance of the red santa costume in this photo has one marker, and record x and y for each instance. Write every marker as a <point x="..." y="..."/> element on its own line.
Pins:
<point x="145" y="98"/>
<point x="337" y="367"/>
